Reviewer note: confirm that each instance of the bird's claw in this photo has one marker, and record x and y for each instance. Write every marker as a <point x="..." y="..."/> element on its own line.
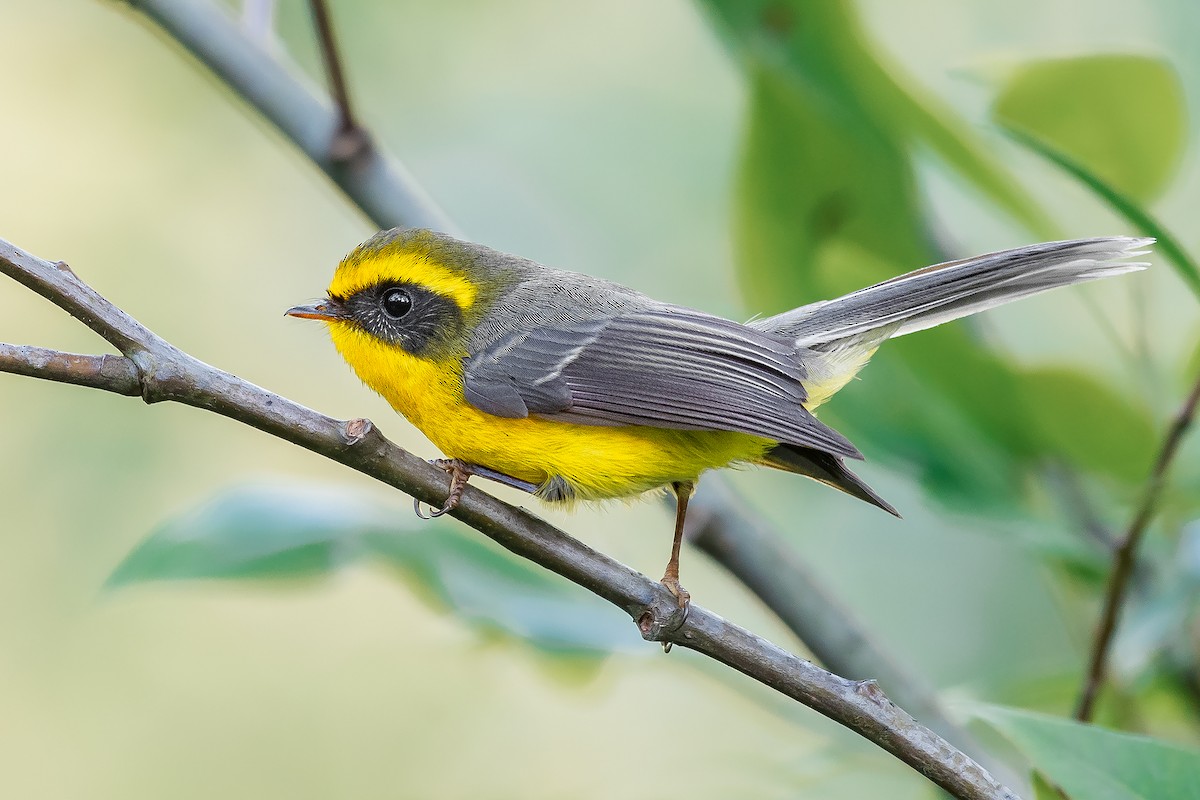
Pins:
<point x="460" y="472"/>
<point x="433" y="514"/>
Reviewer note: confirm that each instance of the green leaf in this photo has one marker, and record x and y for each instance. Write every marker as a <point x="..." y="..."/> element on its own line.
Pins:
<point x="1088" y="424"/>
<point x="825" y="206"/>
<point x="818" y="191"/>
<point x="823" y="45"/>
<point x="496" y="593"/>
<point x="270" y="531"/>
<point x="1091" y="762"/>
<point x="826" y="203"/>
<point x="254" y="531"/>
<point x="1147" y="225"/>
<point x="1043" y="789"/>
<point x="1121" y="117"/>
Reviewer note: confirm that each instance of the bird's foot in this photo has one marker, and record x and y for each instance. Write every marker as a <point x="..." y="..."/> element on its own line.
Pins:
<point x="674" y="587"/>
<point x="460" y="472"/>
<point x="681" y="596"/>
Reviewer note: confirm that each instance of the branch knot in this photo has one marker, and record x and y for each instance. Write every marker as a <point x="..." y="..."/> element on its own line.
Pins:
<point x="871" y="691"/>
<point x="355" y="430"/>
<point x="662" y="618"/>
<point x="145" y="375"/>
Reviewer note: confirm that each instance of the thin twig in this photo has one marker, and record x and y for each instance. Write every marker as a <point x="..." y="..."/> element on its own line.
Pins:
<point x="375" y="182"/>
<point x="384" y="193"/>
<point x="108" y="372"/>
<point x="1124" y="556"/>
<point x="350" y="139"/>
<point x="167" y="373"/>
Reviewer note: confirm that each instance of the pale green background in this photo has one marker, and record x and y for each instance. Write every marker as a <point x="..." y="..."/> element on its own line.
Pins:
<point x="596" y="136"/>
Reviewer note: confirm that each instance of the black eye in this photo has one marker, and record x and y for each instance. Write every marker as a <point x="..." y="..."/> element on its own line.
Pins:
<point x="396" y="303"/>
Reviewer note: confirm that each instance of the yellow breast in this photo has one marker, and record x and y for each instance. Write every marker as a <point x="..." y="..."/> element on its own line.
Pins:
<point x="598" y="462"/>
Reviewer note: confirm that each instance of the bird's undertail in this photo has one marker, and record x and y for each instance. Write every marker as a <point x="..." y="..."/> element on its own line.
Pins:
<point x="842" y="334"/>
<point x="826" y="468"/>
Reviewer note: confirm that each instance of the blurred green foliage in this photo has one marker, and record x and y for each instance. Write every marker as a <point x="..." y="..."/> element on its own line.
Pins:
<point x="1166" y="245"/>
<point x="1088" y="425"/>
<point x="1084" y="761"/>
<point x="861" y="140"/>
<point x="822" y="48"/>
<point x="827" y="202"/>
<point x="275" y="532"/>
<point x="1120" y="116"/>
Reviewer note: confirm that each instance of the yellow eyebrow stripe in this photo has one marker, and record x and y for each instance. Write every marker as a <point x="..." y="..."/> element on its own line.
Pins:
<point x="357" y="272"/>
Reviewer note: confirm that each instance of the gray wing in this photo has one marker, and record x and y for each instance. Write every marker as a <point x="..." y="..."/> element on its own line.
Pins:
<point x="665" y="367"/>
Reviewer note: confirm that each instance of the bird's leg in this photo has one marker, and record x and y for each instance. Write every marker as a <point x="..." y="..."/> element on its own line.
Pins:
<point x="670" y="579"/>
<point x="460" y="472"/>
<point x="683" y="492"/>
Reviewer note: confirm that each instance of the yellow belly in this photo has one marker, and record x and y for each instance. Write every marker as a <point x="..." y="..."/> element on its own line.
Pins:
<point x="597" y="462"/>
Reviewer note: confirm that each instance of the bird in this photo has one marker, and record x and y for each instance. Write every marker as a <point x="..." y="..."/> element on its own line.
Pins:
<point x="574" y="388"/>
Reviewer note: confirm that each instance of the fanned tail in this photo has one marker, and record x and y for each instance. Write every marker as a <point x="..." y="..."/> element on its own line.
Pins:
<point x="841" y="335"/>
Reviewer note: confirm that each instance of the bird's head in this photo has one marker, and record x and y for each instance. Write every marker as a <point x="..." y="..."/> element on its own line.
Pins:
<point x="402" y="307"/>
<point x="410" y="290"/>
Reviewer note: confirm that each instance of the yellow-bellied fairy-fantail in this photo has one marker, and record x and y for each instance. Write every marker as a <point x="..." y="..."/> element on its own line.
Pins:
<point x="572" y="387"/>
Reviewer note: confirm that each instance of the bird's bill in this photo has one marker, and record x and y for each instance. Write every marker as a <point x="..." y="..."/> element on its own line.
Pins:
<point x="323" y="311"/>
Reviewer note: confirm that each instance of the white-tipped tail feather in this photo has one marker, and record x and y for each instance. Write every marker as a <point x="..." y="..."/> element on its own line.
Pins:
<point x="842" y="334"/>
<point x="944" y="292"/>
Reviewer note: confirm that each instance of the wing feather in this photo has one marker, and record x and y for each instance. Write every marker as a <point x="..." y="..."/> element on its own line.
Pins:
<point x="665" y="367"/>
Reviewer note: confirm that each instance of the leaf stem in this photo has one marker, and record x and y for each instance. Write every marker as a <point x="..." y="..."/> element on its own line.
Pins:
<point x="1167" y="244"/>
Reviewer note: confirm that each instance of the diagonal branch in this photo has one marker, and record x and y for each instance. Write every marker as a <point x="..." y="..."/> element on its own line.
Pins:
<point x="756" y="556"/>
<point x="167" y="373"/>
<point x="1124" y="557"/>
